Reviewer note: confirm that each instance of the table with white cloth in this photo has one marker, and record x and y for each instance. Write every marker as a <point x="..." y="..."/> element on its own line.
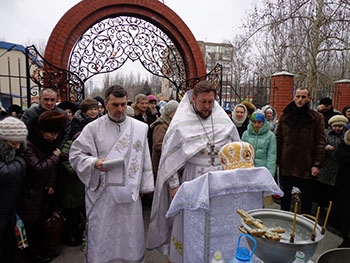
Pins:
<point x="205" y="212"/>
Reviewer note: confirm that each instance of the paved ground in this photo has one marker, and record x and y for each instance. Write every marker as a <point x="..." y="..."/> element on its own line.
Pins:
<point x="76" y="255"/>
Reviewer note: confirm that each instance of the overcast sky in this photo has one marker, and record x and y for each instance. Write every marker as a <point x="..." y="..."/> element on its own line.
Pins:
<point x="29" y="22"/>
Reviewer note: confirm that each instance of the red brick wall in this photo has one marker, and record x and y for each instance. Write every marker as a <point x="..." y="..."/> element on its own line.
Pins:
<point x="281" y="92"/>
<point x="341" y="97"/>
<point x="86" y="13"/>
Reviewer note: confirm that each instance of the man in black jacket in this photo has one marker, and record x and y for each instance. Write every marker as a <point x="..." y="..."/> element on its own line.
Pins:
<point x="47" y="102"/>
<point x="327" y="110"/>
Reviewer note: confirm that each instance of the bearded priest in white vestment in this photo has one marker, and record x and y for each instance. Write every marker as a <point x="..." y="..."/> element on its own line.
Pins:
<point x="111" y="157"/>
<point x="199" y="129"/>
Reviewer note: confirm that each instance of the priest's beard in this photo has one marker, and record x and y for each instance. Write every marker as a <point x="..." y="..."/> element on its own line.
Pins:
<point x="204" y="117"/>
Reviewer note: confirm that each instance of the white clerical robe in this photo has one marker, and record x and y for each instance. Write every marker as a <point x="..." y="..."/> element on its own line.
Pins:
<point x="185" y="147"/>
<point x="113" y="207"/>
<point x="205" y="212"/>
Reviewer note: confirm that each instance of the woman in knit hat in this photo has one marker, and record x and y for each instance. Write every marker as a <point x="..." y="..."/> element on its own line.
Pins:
<point x="13" y="133"/>
<point x="325" y="186"/>
<point x="153" y="104"/>
<point x="88" y="112"/>
<point x="264" y="143"/>
<point x="42" y="157"/>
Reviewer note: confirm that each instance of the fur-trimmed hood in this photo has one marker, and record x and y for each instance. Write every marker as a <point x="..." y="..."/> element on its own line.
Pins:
<point x="274" y="112"/>
<point x="347" y="137"/>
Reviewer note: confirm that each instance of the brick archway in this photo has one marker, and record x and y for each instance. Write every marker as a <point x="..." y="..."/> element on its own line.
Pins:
<point x="88" y="12"/>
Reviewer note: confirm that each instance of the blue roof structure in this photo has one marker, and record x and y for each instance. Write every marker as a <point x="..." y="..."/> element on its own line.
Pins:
<point x="12" y="46"/>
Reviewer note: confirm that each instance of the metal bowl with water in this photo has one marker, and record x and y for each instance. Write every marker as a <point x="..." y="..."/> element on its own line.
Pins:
<point x="284" y="250"/>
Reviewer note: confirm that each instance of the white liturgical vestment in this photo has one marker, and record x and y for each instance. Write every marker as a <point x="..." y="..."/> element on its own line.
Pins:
<point x="186" y="150"/>
<point x="113" y="207"/>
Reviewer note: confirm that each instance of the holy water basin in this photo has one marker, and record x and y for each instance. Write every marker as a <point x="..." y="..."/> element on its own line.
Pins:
<point x="283" y="251"/>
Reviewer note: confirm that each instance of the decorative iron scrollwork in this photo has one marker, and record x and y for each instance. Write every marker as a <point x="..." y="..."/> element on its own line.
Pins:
<point x="214" y="76"/>
<point x="106" y="47"/>
<point x="44" y="75"/>
<point x="108" y="44"/>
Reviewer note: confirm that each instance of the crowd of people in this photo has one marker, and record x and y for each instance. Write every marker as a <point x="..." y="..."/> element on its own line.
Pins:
<point x="100" y="162"/>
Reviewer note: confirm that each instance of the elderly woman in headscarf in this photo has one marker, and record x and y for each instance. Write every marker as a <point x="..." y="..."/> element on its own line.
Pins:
<point x="271" y="116"/>
<point x="324" y="188"/>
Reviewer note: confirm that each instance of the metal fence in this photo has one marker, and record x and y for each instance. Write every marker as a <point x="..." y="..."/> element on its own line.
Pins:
<point x="255" y="90"/>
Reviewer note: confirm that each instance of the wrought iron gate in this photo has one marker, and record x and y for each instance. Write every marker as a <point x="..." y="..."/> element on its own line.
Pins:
<point x="104" y="48"/>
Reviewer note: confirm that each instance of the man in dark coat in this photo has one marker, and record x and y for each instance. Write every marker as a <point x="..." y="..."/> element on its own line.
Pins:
<point x="47" y="102"/>
<point x="145" y="113"/>
<point x="300" y="148"/>
<point x="327" y="110"/>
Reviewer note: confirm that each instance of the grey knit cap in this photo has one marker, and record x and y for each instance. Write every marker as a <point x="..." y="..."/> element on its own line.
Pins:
<point x="170" y="107"/>
<point x="13" y="129"/>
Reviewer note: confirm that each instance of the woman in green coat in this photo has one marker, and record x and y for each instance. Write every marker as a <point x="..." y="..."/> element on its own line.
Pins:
<point x="263" y="140"/>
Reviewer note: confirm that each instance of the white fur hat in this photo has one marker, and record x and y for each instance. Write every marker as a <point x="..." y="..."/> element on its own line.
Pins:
<point x="13" y="129"/>
<point x="338" y="120"/>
